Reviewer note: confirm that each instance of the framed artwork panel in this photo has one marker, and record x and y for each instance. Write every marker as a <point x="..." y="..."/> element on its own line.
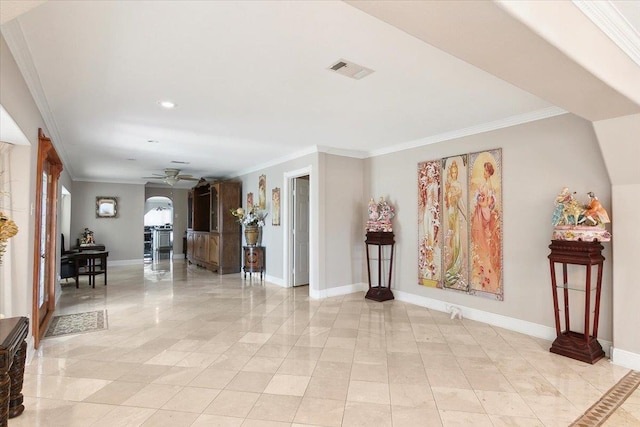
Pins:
<point x="455" y="224"/>
<point x="429" y="223"/>
<point x="262" y="192"/>
<point x="485" y="224"/>
<point x="275" y="206"/>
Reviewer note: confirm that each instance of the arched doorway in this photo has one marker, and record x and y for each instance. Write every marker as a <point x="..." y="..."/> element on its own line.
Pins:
<point x="158" y="227"/>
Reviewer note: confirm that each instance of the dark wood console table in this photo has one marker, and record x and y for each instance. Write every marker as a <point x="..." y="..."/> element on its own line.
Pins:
<point x="86" y="265"/>
<point x="379" y="292"/>
<point x="13" y="352"/>
<point x="579" y="346"/>
<point x="253" y="260"/>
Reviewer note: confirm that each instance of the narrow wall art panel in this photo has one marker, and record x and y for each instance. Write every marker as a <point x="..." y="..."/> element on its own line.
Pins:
<point x="485" y="208"/>
<point x="455" y="224"/>
<point x="429" y="223"/>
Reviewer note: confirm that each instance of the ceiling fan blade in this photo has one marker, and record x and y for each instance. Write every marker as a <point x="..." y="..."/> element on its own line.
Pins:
<point x="154" y="177"/>
<point x="187" y="178"/>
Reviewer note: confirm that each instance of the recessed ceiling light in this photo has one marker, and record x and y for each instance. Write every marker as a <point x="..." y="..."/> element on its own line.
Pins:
<point x="167" y="104"/>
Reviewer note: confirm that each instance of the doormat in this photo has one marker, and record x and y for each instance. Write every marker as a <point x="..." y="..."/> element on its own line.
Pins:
<point x="612" y="399"/>
<point x="77" y="323"/>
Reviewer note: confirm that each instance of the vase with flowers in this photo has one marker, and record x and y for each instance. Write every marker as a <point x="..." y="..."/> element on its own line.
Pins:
<point x="253" y="221"/>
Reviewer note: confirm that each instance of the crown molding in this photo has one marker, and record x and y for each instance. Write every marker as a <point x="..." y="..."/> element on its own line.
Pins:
<point x="14" y="36"/>
<point x="533" y="116"/>
<point x="613" y="23"/>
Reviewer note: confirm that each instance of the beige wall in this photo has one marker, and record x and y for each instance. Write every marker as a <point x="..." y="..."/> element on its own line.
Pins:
<point x="273" y="236"/>
<point x="122" y="236"/>
<point x="345" y="212"/>
<point x="17" y="100"/>
<point x="539" y="158"/>
<point x="618" y="140"/>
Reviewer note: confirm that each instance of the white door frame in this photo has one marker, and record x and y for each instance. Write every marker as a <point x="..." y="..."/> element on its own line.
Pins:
<point x="287" y="239"/>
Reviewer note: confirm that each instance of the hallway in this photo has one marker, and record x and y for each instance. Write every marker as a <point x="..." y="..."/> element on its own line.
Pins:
<point x="185" y="347"/>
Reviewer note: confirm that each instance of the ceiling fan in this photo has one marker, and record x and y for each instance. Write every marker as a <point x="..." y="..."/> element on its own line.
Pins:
<point x="171" y="176"/>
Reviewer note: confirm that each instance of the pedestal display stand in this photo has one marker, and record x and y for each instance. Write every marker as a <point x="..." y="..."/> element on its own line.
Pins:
<point x="576" y="345"/>
<point x="379" y="292"/>
<point x="253" y="260"/>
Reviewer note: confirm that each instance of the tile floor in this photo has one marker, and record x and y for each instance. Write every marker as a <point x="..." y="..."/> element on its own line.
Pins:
<point x="186" y="347"/>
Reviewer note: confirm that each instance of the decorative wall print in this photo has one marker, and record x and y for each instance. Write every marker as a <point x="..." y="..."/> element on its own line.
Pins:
<point x="429" y="223"/>
<point x="485" y="224"/>
<point x="455" y="223"/>
<point x="249" y="202"/>
<point x="275" y="206"/>
<point x="262" y="192"/>
<point x="106" y="207"/>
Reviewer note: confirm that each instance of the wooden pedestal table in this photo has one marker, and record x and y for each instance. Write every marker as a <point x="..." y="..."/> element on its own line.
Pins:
<point x="379" y="292"/>
<point x="580" y="346"/>
<point x="13" y="351"/>
<point x="253" y="260"/>
<point x="86" y="260"/>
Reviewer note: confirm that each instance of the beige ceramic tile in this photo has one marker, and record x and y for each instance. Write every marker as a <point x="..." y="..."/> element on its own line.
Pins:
<point x="232" y="403"/>
<point x="328" y="388"/>
<point x="273" y="407"/>
<point x="366" y="414"/>
<point x="324" y="412"/>
<point x="291" y="385"/>
<point x="214" y="350"/>
<point x="191" y="399"/>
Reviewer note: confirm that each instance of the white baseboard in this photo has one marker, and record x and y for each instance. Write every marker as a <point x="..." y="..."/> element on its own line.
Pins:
<point x="625" y="358"/>
<point x="337" y="291"/>
<point x="505" y="322"/>
<point x="279" y="281"/>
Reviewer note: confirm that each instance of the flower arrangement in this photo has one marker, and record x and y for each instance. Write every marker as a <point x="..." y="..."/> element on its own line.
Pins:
<point x="8" y="229"/>
<point x="254" y="217"/>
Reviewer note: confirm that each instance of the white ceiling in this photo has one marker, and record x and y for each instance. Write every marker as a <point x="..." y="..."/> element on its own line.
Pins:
<point x="250" y="80"/>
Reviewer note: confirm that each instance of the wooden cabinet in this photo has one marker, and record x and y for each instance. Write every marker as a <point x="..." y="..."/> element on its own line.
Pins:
<point x="214" y="241"/>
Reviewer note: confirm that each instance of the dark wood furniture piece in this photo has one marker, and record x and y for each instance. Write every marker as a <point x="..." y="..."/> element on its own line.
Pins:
<point x="254" y="260"/>
<point x="87" y="265"/>
<point x="581" y="346"/>
<point x="379" y="292"/>
<point x="213" y="234"/>
<point x="13" y="352"/>
<point x="94" y="247"/>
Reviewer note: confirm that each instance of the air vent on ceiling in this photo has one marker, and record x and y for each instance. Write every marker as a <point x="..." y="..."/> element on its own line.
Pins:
<point x="179" y="162"/>
<point x="350" y="69"/>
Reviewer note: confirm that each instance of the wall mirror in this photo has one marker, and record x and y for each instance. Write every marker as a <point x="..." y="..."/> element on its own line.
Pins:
<point x="106" y="207"/>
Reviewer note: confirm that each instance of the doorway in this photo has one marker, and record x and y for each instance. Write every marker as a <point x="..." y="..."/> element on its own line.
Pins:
<point x="44" y="266"/>
<point x="158" y="228"/>
<point x="298" y="256"/>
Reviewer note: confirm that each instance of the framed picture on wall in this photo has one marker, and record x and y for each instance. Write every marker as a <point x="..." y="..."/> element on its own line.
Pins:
<point x="106" y="207"/>
<point x="275" y="206"/>
<point x="262" y="192"/>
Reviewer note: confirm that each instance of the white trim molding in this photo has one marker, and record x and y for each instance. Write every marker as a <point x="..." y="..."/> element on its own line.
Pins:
<point x="519" y="119"/>
<point x="338" y="291"/>
<point x="505" y="322"/>
<point x="606" y="16"/>
<point x="625" y="358"/>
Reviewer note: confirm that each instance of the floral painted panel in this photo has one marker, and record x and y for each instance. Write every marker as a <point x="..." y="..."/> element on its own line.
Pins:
<point x="485" y="224"/>
<point x="455" y="224"/>
<point x="429" y="223"/>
